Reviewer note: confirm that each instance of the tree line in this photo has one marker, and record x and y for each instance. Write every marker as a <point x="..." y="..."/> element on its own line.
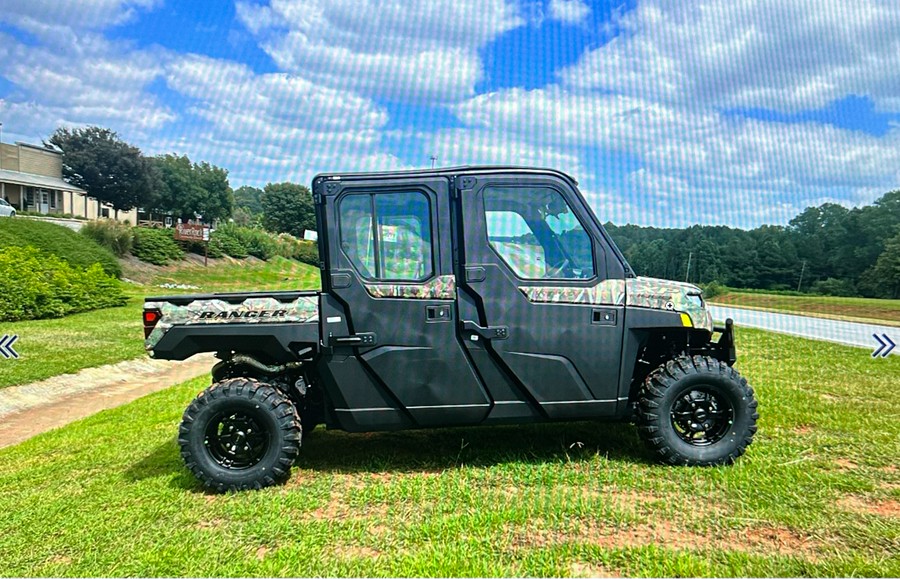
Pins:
<point x="828" y="249"/>
<point x="117" y="173"/>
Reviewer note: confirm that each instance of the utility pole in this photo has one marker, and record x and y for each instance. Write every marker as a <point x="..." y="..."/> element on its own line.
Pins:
<point x="802" y="268"/>
<point x="687" y="272"/>
<point x="433" y="159"/>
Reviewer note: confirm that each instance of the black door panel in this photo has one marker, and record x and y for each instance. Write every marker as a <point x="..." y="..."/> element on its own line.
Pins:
<point x="417" y="357"/>
<point x="565" y="363"/>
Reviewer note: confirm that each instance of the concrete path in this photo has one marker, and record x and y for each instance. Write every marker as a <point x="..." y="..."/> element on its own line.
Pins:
<point x="849" y="333"/>
<point x="31" y="409"/>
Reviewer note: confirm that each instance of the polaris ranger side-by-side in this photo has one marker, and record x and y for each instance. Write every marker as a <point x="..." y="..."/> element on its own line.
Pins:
<point x="461" y="296"/>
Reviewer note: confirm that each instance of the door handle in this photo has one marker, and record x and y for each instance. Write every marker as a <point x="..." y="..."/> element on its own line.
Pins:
<point x="488" y="333"/>
<point x="604" y="317"/>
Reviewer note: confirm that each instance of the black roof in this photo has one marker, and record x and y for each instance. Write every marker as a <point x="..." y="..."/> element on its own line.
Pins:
<point x="443" y="172"/>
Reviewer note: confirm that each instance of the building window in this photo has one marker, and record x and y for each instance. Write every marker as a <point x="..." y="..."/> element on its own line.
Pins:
<point x="29" y="196"/>
<point x="52" y="199"/>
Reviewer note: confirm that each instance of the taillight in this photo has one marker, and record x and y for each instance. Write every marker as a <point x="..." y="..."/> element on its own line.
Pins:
<point x="150" y="319"/>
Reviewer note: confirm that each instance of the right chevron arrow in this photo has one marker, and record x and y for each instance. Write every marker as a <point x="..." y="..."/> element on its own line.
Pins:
<point x="885" y="346"/>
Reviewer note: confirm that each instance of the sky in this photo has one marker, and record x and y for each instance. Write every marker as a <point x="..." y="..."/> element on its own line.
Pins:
<point x="668" y="113"/>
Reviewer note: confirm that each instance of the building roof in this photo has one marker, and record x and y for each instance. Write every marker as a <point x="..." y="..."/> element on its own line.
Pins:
<point x="31" y="180"/>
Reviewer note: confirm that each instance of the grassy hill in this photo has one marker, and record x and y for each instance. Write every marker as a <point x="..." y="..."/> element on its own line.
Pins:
<point x="68" y="245"/>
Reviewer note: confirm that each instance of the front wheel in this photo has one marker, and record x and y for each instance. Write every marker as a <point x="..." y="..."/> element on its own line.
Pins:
<point x="240" y="434"/>
<point x="697" y="412"/>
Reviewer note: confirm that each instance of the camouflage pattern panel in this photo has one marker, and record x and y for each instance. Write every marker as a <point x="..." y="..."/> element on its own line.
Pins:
<point x="607" y="292"/>
<point x="250" y="311"/>
<point x="440" y="288"/>
<point x="662" y="294"/>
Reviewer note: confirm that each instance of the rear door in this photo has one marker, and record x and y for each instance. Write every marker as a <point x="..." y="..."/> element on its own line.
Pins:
<point x="390" y="272"/>
<point x="549" y="315"/>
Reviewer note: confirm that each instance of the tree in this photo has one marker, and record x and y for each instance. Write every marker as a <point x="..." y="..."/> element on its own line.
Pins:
<point x="883" y="279"/>
<point x="288" y="208"/>
<point x="106" y="167"/>
<point x="189" y="189"/>
<point x="249" y="198"/>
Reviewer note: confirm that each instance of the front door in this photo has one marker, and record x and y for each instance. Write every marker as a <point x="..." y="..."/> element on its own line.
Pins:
<point x="44" y="201"/>
<point x="550" y="317"/>
<point x="390" y="311"/>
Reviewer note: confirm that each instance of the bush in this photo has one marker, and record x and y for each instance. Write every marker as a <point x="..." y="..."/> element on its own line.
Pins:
<point x="288" y="246"/>
<point x="41" y="285"/>
<point x="834" y="287"/>
<point x="255" y="242"/>
<point x="713" y="289"/>
<point x="77" y="250"/>
<point x="114" y="236"/>
<point x="156" y="246"/>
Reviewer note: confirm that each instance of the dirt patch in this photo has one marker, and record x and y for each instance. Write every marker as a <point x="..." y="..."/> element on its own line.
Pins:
<point x="778" y="539"/>
<point x="858" y="504"/>
<point x="803" y="429"/>
<point x="845" y="464"/>
<point x="211" y="524"/>
<point x="31" y="409"/>
<point x="262" y="551"/>
<point x="890" y="469"/>
<point x="354" y="552"/>
<point x="579" y="569"/>
<point x="666" y="534"/>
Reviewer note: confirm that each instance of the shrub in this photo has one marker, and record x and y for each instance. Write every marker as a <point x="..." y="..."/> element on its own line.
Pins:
<point x="713" y="289"/>
<point x="834" y="287"/>
<point x="289" y="246"/>
<point x="114" y="236"/>
<point x="77" y="250"/>
<point x="156" y="246"/>
<point x="41" y="285"/>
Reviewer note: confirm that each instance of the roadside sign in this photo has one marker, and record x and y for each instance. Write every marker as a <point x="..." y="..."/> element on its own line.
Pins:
<point x="191" y="232"/>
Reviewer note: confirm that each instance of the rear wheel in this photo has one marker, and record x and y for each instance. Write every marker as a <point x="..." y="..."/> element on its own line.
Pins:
<point x="240" y="434"/>
<point x="697" y="412"/>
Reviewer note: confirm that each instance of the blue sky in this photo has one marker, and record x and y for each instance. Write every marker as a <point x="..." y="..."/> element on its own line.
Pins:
<point x="669" y="113"/>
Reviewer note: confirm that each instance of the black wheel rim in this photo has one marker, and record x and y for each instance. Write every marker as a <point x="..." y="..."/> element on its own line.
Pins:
<point x="236" y="440"/>
<point x="701" y="416"/>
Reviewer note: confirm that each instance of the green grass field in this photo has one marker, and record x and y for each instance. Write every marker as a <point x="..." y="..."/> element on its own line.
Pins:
<point x="863" y="309"/>
<point x="51" y="347"/>
<point x="817" y="494"/>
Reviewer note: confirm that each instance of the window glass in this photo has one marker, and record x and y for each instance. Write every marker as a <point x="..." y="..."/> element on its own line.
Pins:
<point x="357" y="233"/>
<point x="536" y="233"/>
<point x="402" y="249"/>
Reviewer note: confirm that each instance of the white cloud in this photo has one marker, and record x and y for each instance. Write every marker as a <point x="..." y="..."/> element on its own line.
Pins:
<point x="569" y="11"/>
<point x="424" y="51"/>
<point x="49" y="19"/>
<point x="692" y="166"/>
<point x="491" y="147"/>
<point x="784" y="56"/>
<point x="275" y="126"/>
<point x="93" y="82"/>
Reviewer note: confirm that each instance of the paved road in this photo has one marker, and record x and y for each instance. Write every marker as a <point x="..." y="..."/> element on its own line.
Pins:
<point x="850" y="333"/>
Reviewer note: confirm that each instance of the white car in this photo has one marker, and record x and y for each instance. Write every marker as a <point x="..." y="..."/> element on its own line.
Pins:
<point x="6" y="210"/>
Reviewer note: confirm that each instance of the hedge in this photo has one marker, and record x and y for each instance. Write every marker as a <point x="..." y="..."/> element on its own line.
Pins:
<point x="156" y="246"/>
<point x="41" y="285"/>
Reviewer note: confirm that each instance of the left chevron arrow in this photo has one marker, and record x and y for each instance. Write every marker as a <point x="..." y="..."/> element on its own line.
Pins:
<point x="6" y="346"/>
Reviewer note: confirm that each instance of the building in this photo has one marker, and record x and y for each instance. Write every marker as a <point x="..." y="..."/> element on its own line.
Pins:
<point x="31" y="180"/>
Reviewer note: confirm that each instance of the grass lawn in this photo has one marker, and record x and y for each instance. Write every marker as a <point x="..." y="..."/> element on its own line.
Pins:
<point x="863" y="309"/>
<point x="817" y="494"/>
<point x="51" y="347"/>
<point x="276" y="274"/>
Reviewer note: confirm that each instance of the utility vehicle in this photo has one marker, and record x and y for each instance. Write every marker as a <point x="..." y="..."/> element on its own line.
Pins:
<point x="452" y="297"/>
